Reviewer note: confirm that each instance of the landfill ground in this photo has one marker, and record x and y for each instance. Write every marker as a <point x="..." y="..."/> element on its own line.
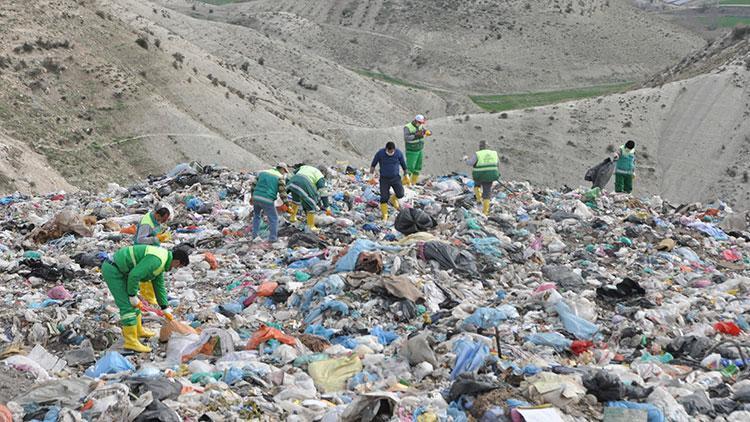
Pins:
<point x="569" y="305"/>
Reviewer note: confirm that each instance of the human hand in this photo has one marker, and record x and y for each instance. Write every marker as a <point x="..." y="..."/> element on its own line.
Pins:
<point x="135" y="302"/>
<point x="168" y="314"/>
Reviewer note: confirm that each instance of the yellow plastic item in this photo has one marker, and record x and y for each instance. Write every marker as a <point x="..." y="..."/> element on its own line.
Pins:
<point x="147" y="291"/>
<point x="331" y="375"/>
<point x="427" y="133"/>
<point x="143" y="332"/>
<point x="427" y="417"/>
<point x="293" y="212"/>
<point x="384" y="211"/>
<point x="394" y="202"/>
<point x="130" y="333"/>
<point x="486" y="207"/>
<point x="478" y="193"/>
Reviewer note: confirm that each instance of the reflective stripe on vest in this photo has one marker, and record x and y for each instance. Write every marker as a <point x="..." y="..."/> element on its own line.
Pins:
<point x="486" y="160"/>
<point x="274" y="172"/>
<point x="311" y="173"/>
<point x="148" y="220"/>
<point x="413" y="129"/>
<point x="160" y="253"/>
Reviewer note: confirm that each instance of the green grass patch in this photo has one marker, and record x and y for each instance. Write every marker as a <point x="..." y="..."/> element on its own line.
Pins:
<point x="535" y="99"/>
<point x="389" y="79"/>
<point x="734" y="2"/>
<point x="725" y="21"/>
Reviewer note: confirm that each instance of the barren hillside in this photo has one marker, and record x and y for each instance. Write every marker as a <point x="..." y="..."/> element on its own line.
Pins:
<point x="485" y="46"/>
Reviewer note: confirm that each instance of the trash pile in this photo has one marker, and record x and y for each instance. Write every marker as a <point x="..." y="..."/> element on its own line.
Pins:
<point x="561" y="305"/>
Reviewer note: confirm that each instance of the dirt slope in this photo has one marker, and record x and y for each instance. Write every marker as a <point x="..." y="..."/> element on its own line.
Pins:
<point x="472" y="45"/>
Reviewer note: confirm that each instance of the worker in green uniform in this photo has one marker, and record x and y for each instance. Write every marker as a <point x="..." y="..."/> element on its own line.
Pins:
<point x="485" y="171"/>
<point x="149" y="232"/>
<point x="124" y="273"/>
<point x="267" y="187"/>
<point x="625" y="168"/>
<point x="414" y="136"/>
<point x="310" y="190"/>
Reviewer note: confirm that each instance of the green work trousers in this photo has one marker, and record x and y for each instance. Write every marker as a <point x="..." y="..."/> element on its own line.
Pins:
<point x="117" y="284"/>
<point x="414" y="161"/>
<point x="623" y="183"/>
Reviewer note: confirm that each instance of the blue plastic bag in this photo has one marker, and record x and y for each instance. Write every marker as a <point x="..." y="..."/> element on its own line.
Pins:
<point x="470" y="356"/>
<point x="455" y="412"/>
<point x="110" y="363"/>
<point x="332" y="285"/>
<point x="349" y="261"/>
<point x="384" y="337"/>
<point x="654" y="413"/>
<point x="346" y="341"/>
<point x="333" y="305"/>
<point x="487" y="246"/>
<point x="553" y="339"/>
<point x="319" y="330"/>
<point x="363" y="377"/>
<point x="194" y="204"/>
<point x="490" y="317"/>
<point x="233" y="375"/>
<point x="304" y="263"/>
<point x="579" y="327"/>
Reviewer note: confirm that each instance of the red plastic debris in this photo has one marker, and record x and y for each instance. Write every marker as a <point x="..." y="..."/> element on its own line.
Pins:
<point x="727" y="327"/>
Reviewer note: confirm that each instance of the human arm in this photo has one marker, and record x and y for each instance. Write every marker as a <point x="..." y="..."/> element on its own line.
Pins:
<point x="144" y="236"/>
<point x="160" y="291"/>
<point x="408" y="136"/>
<point x="142" y="272"/>
<point x="323" y="191"/>
<point x="471" y="162"/>
<point x="282" y="190"/>
<point x="375" y="161"/>
<point x="401" y="161"/>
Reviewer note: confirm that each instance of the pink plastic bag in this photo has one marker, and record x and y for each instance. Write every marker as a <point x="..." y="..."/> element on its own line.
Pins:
<point x="59" y="293"/>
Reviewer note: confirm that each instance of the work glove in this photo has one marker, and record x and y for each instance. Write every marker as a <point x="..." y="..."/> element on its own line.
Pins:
<point x="466" y="158"/>
<point x="164" y="237"/>
<point x="134" y="301"/>
<point x="427" y="133"/>
<point x="168" y="313"/>
<point x="329" y="212"/>
<point x="419" y="134"/>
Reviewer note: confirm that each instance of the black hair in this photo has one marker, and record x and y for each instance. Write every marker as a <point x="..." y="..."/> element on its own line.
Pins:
<point x="162" y="211"/>
<point x="390" y="145"/>
<point x="630" y="145"/>
<point x="182" y="256"/>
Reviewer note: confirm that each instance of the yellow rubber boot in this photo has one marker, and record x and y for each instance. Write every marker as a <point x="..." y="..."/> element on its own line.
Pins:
<point x="486" y="207"/>
<point x="478" y="193"/>
<point x="293" y="214"/>
<point x="130" y="333"/>
<point x="414" y="179"/>
<point x="143" y="332"/>
<point x="405" y="180"/>
<point x="147" y="291"/>
<point x="311" y="221"/>
<point x="394" y="202"/>
<point x="384" y="211"/>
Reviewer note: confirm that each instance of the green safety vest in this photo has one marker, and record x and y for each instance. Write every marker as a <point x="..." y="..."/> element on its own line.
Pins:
<point x="485" y="170"/>
<point x="626" y="162"/>
<point x="311" y="173"/>
<point x="148" y="220"/>
<point x="267" y="187"/>
<point x="156" y="251"/>
<point x="416" y="144"/>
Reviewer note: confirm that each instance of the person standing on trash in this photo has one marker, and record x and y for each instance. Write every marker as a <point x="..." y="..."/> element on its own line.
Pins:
<point x="309" y="189"/>
<point x="485" y="172"/>
<point x="124" y="273"/>
<point x="389" y="159"/>
<point x="267" y="187"/>
<point x="414" y="135"/>
<point x="625" y="169"/>
<point x="149" y="232"/>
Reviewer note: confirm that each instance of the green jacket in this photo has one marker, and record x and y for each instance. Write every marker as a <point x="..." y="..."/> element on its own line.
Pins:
<point x="148" y="228"/>
<point x="413" y="142"/>
<point x="269" y="185"/>
<point x="144" y="263"/>
<point x="625" y="161"/>
<point x="318" y="181"/>
<point x="486" y="167"/>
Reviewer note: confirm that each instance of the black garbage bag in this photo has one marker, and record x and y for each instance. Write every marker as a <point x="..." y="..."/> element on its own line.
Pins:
<point x="600" y="174"/>
<point x="412" y="220"/>
<point x="450" y="257"/>
<point x="605" y="386"/>
<point x="691" y="345"/>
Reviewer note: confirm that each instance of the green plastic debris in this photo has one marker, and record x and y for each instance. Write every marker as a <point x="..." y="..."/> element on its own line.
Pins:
<point x="592" y="194"/>
<point x="306" y="359"/>
<point x="34" y="255"/>
<point x="421" y="309"/>
<point x="625" y="240"/>
<point x="301" y="276"/>
<point x="204" y="376"/>
<point x="472" y="224"/>
<point x="234" y="285"/>
<point x="730" y="371"/>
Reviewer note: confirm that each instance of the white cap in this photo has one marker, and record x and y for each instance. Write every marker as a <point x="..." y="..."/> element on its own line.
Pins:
<point x="419" y="118"/>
